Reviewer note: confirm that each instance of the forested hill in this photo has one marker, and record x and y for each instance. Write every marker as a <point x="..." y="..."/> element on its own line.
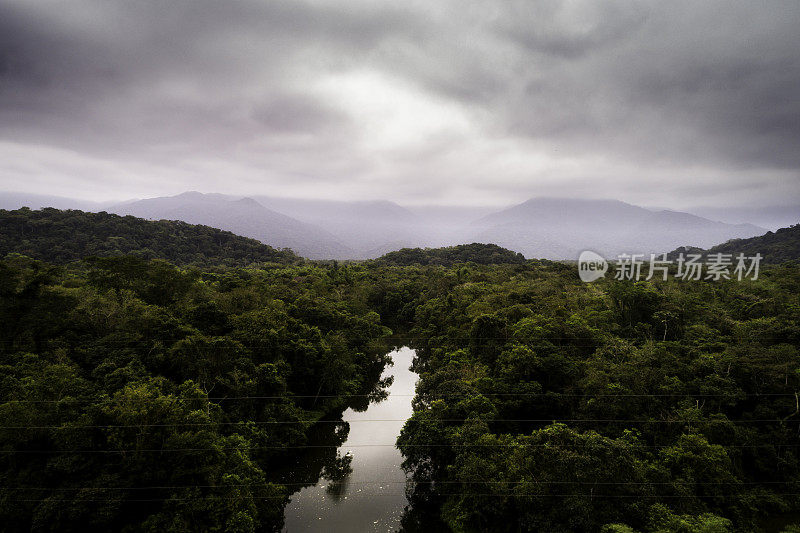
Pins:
<point x="778" y="247"/>
<point x="63" y="236"/>
<point x="482" y="254"/>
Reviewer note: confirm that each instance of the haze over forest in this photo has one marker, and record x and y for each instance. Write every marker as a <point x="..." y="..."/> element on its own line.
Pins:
<point x="551" y="228"/>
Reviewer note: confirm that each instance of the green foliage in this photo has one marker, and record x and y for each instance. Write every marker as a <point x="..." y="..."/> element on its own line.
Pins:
<point x="662" y="520"/>
<point x="775" y="247"/>
<point x="543" y="404"/>
<point x="482" y="254"/>
<point x="136" y="396"/>
<point x="617" y="528"/>
<point x="547" y="404"/>
<point x="67" y="236"/>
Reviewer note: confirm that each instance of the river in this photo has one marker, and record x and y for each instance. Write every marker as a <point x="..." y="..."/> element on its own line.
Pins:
<point x="371" y="497"/>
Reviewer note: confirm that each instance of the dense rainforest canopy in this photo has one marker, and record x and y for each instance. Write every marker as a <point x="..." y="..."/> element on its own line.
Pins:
<point x="60" y="236"/>
<point x="482" y="254"/>
<point x="547" y="404"/>
<point x="137" y="395"/>
<point x="775" y="247"/>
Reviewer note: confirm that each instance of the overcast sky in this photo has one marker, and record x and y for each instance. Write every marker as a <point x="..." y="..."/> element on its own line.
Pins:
<point x="674" y="103"/>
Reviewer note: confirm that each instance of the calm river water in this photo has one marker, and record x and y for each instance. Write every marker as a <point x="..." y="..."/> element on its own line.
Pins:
<point x="372" y="496"/>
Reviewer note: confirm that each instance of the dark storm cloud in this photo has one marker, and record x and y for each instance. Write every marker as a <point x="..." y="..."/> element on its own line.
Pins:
<point x="297" y="113"/>
<point x="402" y="100"/>
<point x="188" y="64"/>
<point x="547" y="27"/>
<point x="706" y="82"/>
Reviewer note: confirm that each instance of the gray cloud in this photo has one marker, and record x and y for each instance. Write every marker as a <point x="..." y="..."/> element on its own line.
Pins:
<point x="664" y="103"/>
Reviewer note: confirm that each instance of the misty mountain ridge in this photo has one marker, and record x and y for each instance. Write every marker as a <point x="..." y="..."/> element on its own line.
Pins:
<point x="560" y="228"/>
<point x="542" y="227"/>
<point x="774" y="247"/>
<point x="14" y="200"/>
<point x="243" y="216"/>
<point x="771" y="217"/>
<point x="370" y="228"/>
<point x="64" y="236"/>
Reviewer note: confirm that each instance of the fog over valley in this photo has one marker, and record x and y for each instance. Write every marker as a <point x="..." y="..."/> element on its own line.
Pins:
<point x="551" y="228"/>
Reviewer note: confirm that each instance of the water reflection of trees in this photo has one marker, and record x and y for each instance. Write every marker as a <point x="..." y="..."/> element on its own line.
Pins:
<point x="423" y="512"/>
<point x="377" y="394"/>
<point x="321" y="458"/>
<point x="306" y="468"/>
<point x="339" y="475"/>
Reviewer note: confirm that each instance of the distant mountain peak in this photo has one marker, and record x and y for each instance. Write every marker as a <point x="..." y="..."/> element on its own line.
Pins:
<point x="573" y="201"/>
<point x="189" y="194"/>
<point x="242" y="216"/>
<point x="248" y="202"/>
<point x="560" y="228"/>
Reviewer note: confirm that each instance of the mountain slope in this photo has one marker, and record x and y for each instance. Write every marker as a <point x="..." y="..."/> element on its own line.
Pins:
<point x="244" y="217"/>
<point x="772" y="218"/>
<point x="552" y="228"/>
<point x="774" y="247"/>
<point x="373" y="228"/>
<point x="483" y="254"/>
<point x="15" y="200"/>
<point x="369" y="228"/>
<point x="310" y="209"/>
<point x="558" y="228"/>
<point x="62" y="236"/>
